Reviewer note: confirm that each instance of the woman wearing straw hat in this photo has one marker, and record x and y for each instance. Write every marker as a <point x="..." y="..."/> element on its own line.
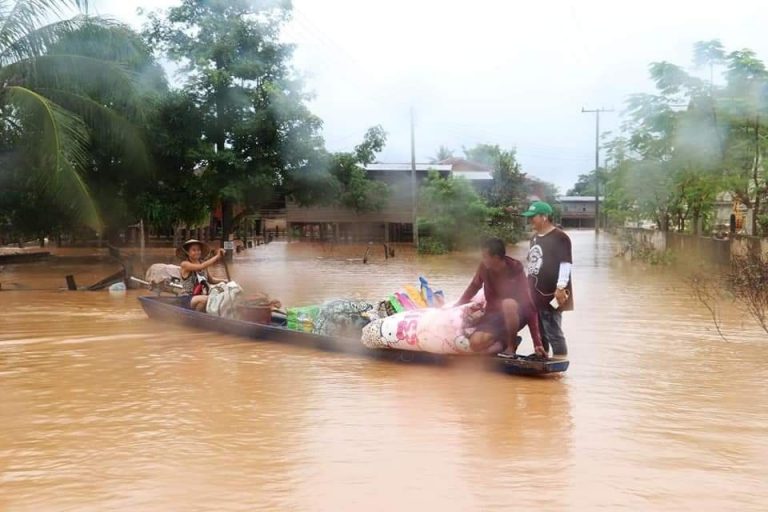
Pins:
<point x="194" y="273"/>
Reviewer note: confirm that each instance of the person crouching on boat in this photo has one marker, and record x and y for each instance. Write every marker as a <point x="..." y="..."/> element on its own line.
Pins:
<point x="509" y="306"/>
<point x="194" y="273"/>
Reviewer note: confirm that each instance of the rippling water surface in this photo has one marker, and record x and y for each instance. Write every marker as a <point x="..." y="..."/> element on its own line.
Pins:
<point x="103" y="409"/>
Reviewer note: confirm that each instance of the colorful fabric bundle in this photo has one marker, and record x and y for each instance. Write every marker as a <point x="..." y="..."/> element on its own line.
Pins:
<point x="409" y="299"/>
<point x="435" y="330"/>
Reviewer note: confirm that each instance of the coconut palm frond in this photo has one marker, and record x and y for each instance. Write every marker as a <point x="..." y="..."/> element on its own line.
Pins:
<point x="20" y="17"/>
<point x="61" y="140"/>
<point x="37" y="41"/>
<point x="107" y="125"/>
<point x="92" y="76"/>
<point x="59" y="69"/>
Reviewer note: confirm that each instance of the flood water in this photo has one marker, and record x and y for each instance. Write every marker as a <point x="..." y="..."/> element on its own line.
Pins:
<point x="103" y="409"/>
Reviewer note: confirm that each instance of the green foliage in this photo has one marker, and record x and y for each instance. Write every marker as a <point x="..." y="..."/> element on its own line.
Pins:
<point x="762" y="221"/>
<point x="501" y="227"/>
<point x="175" y="195"/>
<point x="585" y="185"/>
<point x="260" y="133"/>
<point x="486" y="154"/>
<point x="341" y="179"/>
<point x="510" y="185"/>
<point x="451" y="212"/>
<point x="431" y="245"/>
<point x="671" y="161"/>
<point x="65" y="87"/>
<point x="443" y="153"/>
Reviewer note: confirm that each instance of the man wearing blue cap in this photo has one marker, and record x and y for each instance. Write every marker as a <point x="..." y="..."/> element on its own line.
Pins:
<point x="549" y="275"/>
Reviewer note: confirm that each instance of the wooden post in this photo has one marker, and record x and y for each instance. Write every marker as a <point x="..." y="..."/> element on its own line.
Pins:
<point x="141" y="239"/>
<point x="229" y="247"/>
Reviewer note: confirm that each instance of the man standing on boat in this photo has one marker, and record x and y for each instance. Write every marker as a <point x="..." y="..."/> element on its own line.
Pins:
<point x="549" y="275"/>
<point x="508" y="301"/>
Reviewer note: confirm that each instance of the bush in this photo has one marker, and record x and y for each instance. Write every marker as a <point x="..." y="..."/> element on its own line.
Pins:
<point x="452" y="212"/>
<point x="430" y="245"/>
<point x="748" y="280"/>
<point x="762" y="221"/>
<point x="510" y="233"/>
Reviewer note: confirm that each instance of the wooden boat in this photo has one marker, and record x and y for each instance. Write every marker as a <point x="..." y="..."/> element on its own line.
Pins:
<point x="168" y="309"/>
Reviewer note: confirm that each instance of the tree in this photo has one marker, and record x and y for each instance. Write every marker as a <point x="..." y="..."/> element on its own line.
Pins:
<point x="121" y="167"/>
<point x="46" y="100"/>
<point x="509" y="182"/>
<point x="176" y="195"/>
<point x="745" y="102"/>
<point x="257" y="128"/>
<point x="443" y="153"/>
<point x="451" y="214"/>
<point x="486" y="154"/>
<point x="341" y="179"/>
<point x="694" y="139"/>
<point x="584" y="186"/>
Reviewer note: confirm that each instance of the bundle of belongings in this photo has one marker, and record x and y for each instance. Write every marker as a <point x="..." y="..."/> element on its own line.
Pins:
<point x="223" y="299"/>
<point x="160" y="273"/>
<point x="346" y="317"/>
<point x="408" y="298"/>
<point x="412" y="318"/>
<point x="342" y="318"/>
<point x="439" y="330"/>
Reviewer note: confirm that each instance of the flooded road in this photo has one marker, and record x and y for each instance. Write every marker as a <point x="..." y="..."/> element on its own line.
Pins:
<point x="102" y="409"/>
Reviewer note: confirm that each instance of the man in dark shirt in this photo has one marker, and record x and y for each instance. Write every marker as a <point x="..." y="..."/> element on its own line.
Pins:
<point x="508" y="301"/>
<point x="549" y="276"/>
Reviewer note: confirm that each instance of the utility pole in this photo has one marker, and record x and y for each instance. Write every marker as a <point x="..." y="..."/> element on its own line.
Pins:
<point x="597" y="113"/>
<point x="414" y="188"/>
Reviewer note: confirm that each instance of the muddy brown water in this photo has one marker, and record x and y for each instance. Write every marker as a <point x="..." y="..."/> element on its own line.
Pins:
<point x="103" y="409"/>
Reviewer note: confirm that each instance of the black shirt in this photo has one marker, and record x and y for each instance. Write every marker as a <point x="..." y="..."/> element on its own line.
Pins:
<point x="544" y="257"/>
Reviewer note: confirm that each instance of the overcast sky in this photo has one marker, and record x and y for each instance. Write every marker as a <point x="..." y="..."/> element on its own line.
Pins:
<point x="510" y="73"/>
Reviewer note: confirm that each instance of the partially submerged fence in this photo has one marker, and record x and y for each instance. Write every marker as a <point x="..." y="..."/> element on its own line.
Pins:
<point x="707" y="249"/>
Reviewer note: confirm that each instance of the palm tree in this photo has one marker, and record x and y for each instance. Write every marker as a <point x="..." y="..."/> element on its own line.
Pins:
<point x="443" y="153"/>
<point x="52" y="97"/>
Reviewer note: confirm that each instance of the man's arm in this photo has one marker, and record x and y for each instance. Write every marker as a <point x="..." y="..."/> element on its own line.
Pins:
<point x="564" y="272"/>
<point x="197" y="267"/>
<point x="472" y="289"/>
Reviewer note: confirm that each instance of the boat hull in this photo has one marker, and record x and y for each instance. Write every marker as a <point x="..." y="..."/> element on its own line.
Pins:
<point x="168" y="309"/>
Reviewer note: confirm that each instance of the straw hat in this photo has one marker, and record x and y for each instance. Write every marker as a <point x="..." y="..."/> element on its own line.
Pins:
<point x="182" y="253"/>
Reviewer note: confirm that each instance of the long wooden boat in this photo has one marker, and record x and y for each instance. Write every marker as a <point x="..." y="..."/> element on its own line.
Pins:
<point x="168" y="309"/>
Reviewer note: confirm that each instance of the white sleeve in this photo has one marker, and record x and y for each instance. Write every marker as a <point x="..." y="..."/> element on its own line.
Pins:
<point x="565" y="274"/>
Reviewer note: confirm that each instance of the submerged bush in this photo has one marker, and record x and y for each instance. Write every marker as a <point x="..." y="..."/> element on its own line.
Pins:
<point x="430" y="245"/>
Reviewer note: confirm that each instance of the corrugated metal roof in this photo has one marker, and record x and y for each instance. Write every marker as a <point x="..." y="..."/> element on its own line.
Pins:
<point x="407" y="167"/>
<point x="578" y="199"/>
<point x="473" y="175"/>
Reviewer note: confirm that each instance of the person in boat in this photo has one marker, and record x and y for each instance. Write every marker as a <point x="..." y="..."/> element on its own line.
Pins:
<point x="508" y="301"/>
<point x="549" y="276"/>
<point x="194" y="273"/>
